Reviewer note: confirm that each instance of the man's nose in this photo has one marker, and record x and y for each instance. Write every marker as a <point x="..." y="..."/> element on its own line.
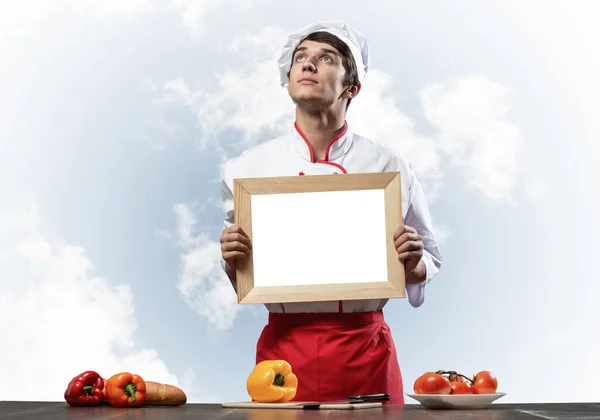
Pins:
<point x="308" y="66"/>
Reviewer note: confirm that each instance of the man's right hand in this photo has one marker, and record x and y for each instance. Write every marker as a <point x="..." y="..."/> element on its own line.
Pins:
<point x="235" y="244"/>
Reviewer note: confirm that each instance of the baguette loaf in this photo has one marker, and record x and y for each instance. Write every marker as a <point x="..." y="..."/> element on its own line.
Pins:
<point x="164" y="394"/>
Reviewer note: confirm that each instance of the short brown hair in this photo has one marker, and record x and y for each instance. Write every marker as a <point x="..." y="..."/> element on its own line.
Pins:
<point x="351" y="76"/>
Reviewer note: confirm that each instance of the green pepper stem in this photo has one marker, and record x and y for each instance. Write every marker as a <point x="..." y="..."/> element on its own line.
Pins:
<point x="130" y="389"/>
<point x="279" y="380"/>
<point x="88" y="389"/>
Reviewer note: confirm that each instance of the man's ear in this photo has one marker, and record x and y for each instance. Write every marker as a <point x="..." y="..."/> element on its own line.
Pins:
<point x="352" y="91"/>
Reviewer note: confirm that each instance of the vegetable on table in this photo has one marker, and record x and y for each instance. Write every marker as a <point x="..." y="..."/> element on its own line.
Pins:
<point x="272" y="381"/>
<point x="85" y="389"/>
<point x="452" y="382"/>
<point x="125" y="390"/>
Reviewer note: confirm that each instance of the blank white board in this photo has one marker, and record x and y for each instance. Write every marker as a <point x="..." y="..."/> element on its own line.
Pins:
<point x="320" y="238"/>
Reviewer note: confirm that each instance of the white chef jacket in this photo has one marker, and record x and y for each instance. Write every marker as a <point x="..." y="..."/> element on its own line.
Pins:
<point x="292" y="154"/>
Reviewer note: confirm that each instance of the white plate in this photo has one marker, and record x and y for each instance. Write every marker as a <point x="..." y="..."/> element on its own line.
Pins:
<point x="457" y="401"/>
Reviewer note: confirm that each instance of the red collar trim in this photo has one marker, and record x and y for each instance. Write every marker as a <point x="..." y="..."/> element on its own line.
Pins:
<point x="329" y="146"/>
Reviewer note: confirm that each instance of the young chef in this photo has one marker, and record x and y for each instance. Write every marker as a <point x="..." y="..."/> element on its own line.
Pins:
<point x="336" y="349"/>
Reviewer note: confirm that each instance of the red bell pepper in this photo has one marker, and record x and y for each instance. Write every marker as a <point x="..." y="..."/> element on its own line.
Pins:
<point x="85" y="389"/>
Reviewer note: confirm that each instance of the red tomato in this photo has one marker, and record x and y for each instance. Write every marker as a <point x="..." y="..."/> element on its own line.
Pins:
<point x="433" y="383"/>
<point x="485" y="383"/>
<point x="461" y="387"/>
<point x="416" y="386"/>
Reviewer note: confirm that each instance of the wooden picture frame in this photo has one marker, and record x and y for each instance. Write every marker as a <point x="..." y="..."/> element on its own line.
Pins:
<point x="319" y="237"/>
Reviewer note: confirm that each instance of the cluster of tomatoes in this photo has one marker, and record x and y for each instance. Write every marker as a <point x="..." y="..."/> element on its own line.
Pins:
<point x="451" y="382"/>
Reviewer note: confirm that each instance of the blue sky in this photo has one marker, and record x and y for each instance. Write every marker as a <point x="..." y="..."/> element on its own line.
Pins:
<point x="116" y="116"/>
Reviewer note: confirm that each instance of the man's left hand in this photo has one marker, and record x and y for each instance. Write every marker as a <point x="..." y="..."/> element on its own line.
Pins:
<point x="409" y="245"/>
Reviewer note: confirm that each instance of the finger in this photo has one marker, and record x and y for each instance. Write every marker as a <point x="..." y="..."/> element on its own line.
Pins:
<point x="233" y="255"/>
<point x="399" y="232"/>
<point x="233" y="229"/>
<point x="406" y="238"/>
<point x="234" y="246"/>
<point x="240" y="237"/>
<point x="230" y="229"/>
<point x="410" y="246"/>
<point x="237" y="237"/>
<point x="410" y="229"/>
<point x="402" y="230"/>
<point x="410" y="255"/>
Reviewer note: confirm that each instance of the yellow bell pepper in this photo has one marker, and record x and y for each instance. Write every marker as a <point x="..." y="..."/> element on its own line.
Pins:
<point x="272" y="381"/>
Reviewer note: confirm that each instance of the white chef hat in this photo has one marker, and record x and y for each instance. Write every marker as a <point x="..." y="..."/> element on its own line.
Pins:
<point x="354" y="39"/>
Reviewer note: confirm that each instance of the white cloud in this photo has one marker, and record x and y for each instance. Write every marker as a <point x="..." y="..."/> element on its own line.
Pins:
<point x="58" y="319"/>
<point x="203" y="284"/>
<point x="475" y="133"/>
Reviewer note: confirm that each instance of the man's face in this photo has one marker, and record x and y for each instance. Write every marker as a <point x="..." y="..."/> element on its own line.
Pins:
<point x="316" y="75"/>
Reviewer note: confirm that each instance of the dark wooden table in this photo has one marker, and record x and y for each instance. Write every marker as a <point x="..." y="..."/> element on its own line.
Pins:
<point x="59" y="410"/>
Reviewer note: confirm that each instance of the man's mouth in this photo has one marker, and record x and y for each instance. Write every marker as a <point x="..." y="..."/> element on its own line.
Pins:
<point x="307" y="81"/>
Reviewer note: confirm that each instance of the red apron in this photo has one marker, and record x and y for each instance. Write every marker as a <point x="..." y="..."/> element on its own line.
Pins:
<point x="334" y="355"/>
